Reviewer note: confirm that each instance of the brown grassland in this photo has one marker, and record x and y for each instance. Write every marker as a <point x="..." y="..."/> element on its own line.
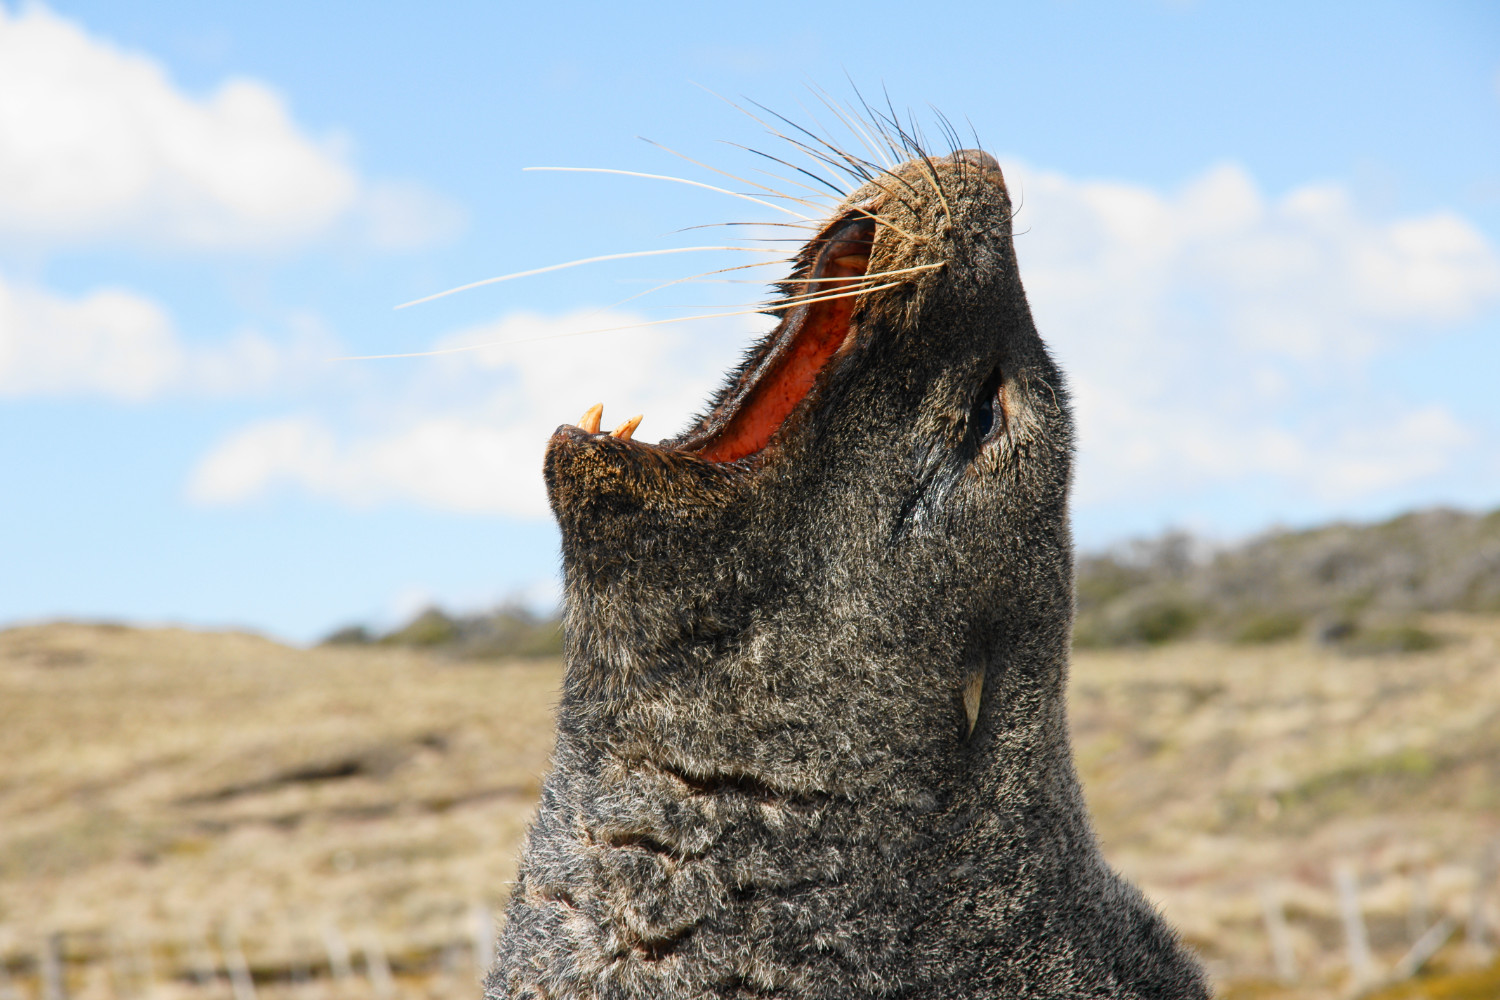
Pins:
<point x="162" y="791"/>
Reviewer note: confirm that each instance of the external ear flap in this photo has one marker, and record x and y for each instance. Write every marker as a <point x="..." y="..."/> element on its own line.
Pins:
<point x="973" y="692"/>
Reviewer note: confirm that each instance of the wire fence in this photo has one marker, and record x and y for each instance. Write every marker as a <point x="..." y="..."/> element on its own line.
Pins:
<point x="1457" y="914"/>
<point x="1318" y="940"/>
<point x="296" y="958"/>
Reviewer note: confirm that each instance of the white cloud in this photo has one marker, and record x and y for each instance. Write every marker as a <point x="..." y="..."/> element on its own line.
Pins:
<point x="117" y="343"/>
<point x="403" y="216"/>
<point x="97" y="143"/>
<point x="111" y="342"/>
<point x="467" y="431"/>
<point x="1217" y="336"/>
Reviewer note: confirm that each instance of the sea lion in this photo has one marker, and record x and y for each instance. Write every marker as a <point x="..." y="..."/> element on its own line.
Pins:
<point x="812" y="740"/>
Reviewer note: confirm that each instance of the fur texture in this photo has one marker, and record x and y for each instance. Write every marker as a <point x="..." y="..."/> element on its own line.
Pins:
<point x="813" y="740"/>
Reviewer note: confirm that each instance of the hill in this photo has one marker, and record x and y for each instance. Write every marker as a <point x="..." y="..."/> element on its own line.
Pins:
<point x="1356" y="587"/>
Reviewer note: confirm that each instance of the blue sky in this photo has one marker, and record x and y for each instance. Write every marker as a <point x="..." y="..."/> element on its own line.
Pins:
<point x="1264" y="240"/>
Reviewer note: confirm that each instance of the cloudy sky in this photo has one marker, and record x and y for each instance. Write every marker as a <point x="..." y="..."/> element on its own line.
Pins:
<point x="1263" y="239"/>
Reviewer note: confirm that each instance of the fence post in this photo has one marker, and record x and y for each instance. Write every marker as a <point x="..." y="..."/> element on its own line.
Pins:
<point x="1358" y="943"/>
<point x="1484" y="876"/>
<point x="1419" y="916"/>
<point x="240" y="980"/>
<point x="482" y="930"/>
<point x="1425" y="947"/>
<point x="119" y="969"/>
<point x="339" y="965"/>
<point x="1280" y="936"/>
<point x="377" y="968"/>
<point x="144" y="967"/>
<point x="8" y="989"/>
<point x="203" y="968"/>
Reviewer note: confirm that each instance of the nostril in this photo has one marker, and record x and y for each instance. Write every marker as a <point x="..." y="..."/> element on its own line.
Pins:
<point x="976" y="158"/>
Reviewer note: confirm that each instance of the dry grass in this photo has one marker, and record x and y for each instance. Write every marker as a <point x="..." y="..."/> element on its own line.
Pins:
<point x="157" y="784"/>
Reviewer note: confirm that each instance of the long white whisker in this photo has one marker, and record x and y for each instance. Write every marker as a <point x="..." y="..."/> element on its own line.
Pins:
<point x="701" y="276"/>
<point x="701" y="279"/>
<point x="743" y="180"/>
<point x="576" y="263"/>
<point x="607" y="329"/>
<point x="780" y="135"/>
<point x="808" y="298"/>
<point x="878" y="274"/>
<point x="675" y="180"/>
<point x="854" y="124"/>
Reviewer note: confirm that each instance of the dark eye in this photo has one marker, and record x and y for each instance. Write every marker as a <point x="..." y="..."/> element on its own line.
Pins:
<point x="982" y="420"/>
<point x="984" y="417"/>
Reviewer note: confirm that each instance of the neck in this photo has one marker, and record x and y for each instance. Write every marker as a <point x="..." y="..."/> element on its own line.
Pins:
<point x="686" y="818"/>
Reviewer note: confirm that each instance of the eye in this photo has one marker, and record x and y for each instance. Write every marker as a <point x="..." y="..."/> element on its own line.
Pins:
<point x="982" y="419"/>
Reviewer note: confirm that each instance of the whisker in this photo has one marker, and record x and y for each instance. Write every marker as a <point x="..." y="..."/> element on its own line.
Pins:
<point x="883" y="221"/>
<point x="665" y="177"/>
<point x="700" y="277"/>
<point x="576" y="263"/>
<point x="716" y="225"/>
<point x="869" y="122"/>
<point x="857" y="166"/>
<point x="830" y="164"/>
<point x="914" y="144"/>
<point x="852" y="123"/>
<point x="814" y="281"/>
<point x="842" y="194"/>
<point x="827" y="163"/>
<point x="733" y="177"/>
<point x="877" y="122"/>
<point x="771" y="307"/>
<point x="949" y="131"/>
<point x="579" y="333"/>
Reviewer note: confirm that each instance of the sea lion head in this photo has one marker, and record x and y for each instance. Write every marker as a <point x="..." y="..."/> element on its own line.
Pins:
<point x="867" y="523"/>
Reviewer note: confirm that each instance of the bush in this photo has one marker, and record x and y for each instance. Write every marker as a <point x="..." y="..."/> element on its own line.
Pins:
<point x="1275" y="626"/>
<point x="1163" y="621"/>
<point x="349" y="635"/>
<point x="1403" y="638"/>
<point x="430" y="628"/>
<point x="506" y="633"/>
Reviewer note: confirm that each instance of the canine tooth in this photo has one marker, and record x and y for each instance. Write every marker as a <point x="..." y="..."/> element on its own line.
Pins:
<point x="626" y="429"/>
<point x="591" y="417"/>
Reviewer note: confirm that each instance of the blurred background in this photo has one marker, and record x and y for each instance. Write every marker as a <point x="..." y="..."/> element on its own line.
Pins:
<point x="279" y="642"/>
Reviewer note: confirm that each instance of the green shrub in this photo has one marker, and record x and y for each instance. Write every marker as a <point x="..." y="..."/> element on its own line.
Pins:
<point x="1162" y="621"/>
<point x="1274" y="626"/>
<point x="349" y="635"/>
<point x="430" y="628"/>
<point x="1403" y="638"/>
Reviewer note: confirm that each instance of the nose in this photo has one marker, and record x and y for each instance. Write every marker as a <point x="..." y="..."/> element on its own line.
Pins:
<point x="977" y="158"/>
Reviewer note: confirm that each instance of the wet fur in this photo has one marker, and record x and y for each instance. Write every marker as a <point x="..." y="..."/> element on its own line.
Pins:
<point x="765" y="783"/>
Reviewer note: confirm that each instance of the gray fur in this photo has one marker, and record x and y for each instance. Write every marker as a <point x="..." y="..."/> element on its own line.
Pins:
<point x="765" y="782"/>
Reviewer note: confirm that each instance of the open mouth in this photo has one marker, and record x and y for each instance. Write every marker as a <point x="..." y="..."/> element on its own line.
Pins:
<point x="816" y="326"/>
<point x="815" y="329"/>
